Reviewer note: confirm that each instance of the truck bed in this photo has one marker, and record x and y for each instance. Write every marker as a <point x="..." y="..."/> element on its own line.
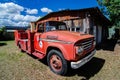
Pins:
<point x="24" y="40"/>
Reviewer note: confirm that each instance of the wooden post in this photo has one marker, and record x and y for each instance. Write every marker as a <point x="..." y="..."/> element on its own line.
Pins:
<point x="87" y="23"/>
<point x="32" y="26"/>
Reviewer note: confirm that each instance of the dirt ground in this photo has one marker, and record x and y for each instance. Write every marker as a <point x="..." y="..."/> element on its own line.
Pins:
<point x="15" y="65"/>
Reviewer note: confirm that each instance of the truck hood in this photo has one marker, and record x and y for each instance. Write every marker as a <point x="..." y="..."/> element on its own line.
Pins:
<point x="68" y="36"/>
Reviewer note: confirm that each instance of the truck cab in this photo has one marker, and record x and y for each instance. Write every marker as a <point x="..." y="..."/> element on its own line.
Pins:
<point x="51" y="39"/>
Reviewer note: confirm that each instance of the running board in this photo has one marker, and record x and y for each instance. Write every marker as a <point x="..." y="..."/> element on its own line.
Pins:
<point x="38" y="55"/>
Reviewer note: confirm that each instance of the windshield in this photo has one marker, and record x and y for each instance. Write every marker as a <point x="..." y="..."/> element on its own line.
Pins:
<point x="53" y="25"/>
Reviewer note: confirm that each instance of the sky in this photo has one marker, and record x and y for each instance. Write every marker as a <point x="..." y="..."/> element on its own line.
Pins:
<point x="22" y="12"/>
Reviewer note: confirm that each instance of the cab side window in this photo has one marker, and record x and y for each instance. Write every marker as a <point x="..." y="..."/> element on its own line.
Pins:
<point x="41" y="28"/>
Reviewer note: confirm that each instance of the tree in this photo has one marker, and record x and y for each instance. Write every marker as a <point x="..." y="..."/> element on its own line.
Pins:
<point x="111" y="8"/>
<point x="2" y="31"/>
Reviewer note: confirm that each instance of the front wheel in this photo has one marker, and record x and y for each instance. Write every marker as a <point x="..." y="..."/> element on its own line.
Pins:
<point x="56" y="62"/>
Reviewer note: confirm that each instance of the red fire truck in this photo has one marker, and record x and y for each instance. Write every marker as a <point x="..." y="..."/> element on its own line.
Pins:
<point x="51" y="39"/>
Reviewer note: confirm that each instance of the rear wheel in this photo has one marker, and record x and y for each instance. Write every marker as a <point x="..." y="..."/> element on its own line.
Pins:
<point x="56" y="62"/>
<point x="19" y="45"/>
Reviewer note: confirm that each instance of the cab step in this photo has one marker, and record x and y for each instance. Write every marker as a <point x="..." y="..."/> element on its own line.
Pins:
<point x="38" y="55"/>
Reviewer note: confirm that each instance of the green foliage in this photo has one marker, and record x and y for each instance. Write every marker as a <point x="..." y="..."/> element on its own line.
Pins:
<point x="2" y="32"/>
<point x="2" y="29"/>
<point x="112" y="9"/>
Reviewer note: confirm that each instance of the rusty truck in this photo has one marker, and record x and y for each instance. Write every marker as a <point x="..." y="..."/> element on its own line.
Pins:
<point x="52" y="40"/>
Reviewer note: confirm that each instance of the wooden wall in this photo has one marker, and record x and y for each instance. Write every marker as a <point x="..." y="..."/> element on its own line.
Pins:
<point x="80" y="22"/>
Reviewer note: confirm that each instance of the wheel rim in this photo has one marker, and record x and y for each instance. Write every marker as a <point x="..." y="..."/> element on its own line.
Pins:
<point x="56" y="63"/>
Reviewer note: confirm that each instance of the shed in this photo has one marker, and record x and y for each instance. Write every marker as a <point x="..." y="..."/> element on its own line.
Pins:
<point x="10" y="31"/>
<point x="88" y="20"/>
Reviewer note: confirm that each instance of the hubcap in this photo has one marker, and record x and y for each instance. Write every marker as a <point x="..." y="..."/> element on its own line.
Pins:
<point x="56" y="62"/>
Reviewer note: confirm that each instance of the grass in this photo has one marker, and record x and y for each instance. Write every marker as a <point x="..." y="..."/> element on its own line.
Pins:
<point x="15" y="65"/>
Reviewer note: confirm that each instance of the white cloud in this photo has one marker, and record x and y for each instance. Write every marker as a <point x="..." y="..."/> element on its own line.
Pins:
<point x="23" y="23"/>
<point x="44" y="9"/>
<point x="10" y="15"/>
<point x="31" y="11"/>
<point x="30" y="18"/>
<point x="26" y="18"/>
<point x="11" y="8"/>
<point x="60" y="9"/>
<point x="6" y="21"/>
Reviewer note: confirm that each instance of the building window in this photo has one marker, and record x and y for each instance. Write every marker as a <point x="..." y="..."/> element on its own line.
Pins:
<point x="75" y="25"/>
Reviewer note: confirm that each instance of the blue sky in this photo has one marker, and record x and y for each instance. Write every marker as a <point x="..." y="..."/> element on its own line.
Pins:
<point x="21" y="12"/>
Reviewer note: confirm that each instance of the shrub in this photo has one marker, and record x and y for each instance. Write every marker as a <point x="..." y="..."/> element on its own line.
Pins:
<point x="2" y="31"/>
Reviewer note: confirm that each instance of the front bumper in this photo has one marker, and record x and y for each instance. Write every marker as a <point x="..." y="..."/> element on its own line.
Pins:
<point x="76" y="65"/>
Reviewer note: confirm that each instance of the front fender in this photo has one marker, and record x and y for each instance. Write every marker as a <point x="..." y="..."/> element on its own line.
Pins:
<point x="67" y="50"/>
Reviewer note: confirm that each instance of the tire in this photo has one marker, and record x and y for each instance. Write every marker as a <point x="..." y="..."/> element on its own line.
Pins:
<point x="56" y="62"/>
<point x="19" y="45"/>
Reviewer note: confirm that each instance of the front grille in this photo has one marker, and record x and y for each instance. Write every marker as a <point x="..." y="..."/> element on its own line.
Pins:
<point x="86" y="44"/>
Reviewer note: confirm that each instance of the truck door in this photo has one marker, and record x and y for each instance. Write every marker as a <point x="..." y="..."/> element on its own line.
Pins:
<point x="39" y="44"/>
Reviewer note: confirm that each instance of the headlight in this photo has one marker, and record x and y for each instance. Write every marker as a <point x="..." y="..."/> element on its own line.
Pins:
<point x="79" y="49"/>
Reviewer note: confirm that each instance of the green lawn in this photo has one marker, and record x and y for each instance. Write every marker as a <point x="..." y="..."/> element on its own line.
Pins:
<point x="15" y="65"/>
